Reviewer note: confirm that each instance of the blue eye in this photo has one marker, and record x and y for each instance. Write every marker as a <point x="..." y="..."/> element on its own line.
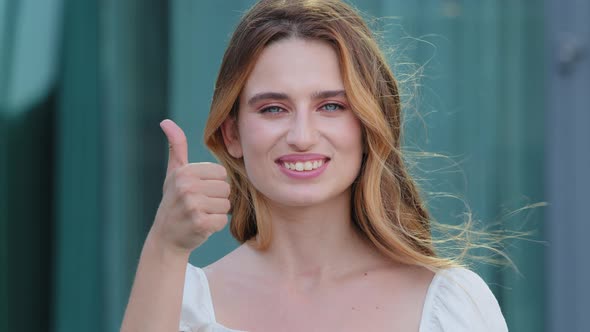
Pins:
<point x="332" y="107"/>
<point x="271" y="110"/>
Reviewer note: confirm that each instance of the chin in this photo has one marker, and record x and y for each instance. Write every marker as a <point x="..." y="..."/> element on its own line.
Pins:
<point x="299" y="199"/>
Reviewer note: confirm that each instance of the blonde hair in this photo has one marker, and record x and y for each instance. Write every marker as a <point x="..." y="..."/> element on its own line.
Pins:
<point x="386" y="206"/>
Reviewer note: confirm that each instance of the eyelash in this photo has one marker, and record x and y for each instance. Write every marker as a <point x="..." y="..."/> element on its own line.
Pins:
<point x="266" y="109"/>
<point x="339" y="108"/>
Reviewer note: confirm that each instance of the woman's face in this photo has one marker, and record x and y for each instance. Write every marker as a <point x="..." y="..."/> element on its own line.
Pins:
<point x="300" y="141"/>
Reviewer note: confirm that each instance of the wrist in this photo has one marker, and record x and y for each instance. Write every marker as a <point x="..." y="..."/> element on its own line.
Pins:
<point x="165" y="253"/>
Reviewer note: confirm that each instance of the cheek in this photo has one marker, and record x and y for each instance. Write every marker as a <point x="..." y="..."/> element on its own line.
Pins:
<point x="356" y="131"/>
<point x="348" y="135"/>
<point x="257" y="137"/>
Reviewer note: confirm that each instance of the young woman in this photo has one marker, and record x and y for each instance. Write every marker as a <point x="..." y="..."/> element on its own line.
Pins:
<point x="306" y="122"/>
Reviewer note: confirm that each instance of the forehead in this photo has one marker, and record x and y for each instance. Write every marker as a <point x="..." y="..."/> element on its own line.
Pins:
<point x="295" y="66"/>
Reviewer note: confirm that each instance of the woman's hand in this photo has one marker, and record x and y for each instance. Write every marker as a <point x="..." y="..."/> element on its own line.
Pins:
<point x="194" y="205"/>
<point x="195" y="197"/>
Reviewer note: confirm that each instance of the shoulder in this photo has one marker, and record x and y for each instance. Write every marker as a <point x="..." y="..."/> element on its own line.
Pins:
<point x="459" y="300"/>
<point x="197" y="308"/>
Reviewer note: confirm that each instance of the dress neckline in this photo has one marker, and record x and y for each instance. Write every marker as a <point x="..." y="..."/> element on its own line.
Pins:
<point x="426" y="307"/>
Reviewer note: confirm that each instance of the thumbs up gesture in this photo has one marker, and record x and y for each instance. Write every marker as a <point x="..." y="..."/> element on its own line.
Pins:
<point x="195" y="197"/>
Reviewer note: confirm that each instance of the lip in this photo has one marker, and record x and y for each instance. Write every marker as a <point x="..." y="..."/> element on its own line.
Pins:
<point x="302" y="157"/>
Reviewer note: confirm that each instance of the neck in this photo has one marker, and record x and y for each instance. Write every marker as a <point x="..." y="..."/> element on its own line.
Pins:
<point x="315" y="242"/>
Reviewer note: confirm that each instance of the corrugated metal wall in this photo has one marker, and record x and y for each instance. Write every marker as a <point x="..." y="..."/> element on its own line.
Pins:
<point x="84" y="83"/>
<point x="568" y="162"/>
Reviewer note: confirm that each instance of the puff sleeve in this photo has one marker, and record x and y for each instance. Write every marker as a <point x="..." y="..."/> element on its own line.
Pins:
<point x="458" y="300"/>
<point x="197" y="314"/>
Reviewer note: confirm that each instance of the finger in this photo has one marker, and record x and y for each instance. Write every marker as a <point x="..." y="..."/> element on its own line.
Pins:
<point x="214" y="205"/>
<point x="215" y="222"/>
<point x="215" y="188"/>
<point x="178" y="149"/>
<point x="208" y="171"/>
<point x="206" y="188"/>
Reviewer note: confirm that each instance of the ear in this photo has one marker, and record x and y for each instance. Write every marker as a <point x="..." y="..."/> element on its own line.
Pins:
<point x="231" y="137"/>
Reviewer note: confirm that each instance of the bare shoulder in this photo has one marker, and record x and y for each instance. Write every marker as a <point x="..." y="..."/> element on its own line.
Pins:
<point x="235" y="263"/>
<point x="236" y="273"/>
<point x="238" y="290"/>
<point x="419" y="276"/>
<point x="410" y="280"/>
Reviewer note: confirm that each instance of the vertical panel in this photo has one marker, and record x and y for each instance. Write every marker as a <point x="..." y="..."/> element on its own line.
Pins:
<point x="520" y="180"/>
<point x="7" y="14"/>
<point x="133" y="85"/>
<point x="26" y="218"/>
<point x="3" y="224"/>
<point x="111" y="152"/>
<point x="27" y="56"/>
<point x="8" y="25"/>
<point x="35" y="50"/>
<point x="478" y="116"/>
<point x="568" y="162"/>
<point x="78" y="291"/>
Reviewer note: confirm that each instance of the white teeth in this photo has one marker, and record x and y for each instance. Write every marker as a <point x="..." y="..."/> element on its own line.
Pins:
<point x="301" y="166"/>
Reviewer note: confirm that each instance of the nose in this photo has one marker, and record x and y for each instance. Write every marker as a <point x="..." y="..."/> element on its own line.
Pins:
<point x="302" y="134"/>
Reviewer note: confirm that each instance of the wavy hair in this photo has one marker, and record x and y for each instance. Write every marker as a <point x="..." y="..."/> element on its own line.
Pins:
<point x="386" y="205"/>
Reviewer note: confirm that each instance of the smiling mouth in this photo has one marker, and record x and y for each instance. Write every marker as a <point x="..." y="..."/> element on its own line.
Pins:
<point x="305" y="164"/>
<point x="302" y="166"/>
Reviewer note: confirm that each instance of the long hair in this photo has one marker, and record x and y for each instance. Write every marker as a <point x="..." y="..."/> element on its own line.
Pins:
<point x="386" y="204"/>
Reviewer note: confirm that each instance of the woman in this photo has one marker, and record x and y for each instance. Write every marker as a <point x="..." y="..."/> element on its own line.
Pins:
<point x="306" y="121"/>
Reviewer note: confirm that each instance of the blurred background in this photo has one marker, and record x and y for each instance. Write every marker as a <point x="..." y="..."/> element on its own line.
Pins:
<point x="500" y="87"/>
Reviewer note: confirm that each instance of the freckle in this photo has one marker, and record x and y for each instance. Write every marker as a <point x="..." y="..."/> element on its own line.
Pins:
<point x="377" y="307"/>
<point x="366" y="273"/>
<point x="353" y="308"/>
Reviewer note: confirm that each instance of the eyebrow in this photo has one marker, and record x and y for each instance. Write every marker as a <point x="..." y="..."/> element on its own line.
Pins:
<point x="283" y="96"/>
<point x="328" y="94"/>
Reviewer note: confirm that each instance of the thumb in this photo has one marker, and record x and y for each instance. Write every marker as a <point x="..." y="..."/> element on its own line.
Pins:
<point x="178" y="149"/>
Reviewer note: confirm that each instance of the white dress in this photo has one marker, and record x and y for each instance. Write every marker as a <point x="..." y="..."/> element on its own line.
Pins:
<point x="458" y="300"/>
